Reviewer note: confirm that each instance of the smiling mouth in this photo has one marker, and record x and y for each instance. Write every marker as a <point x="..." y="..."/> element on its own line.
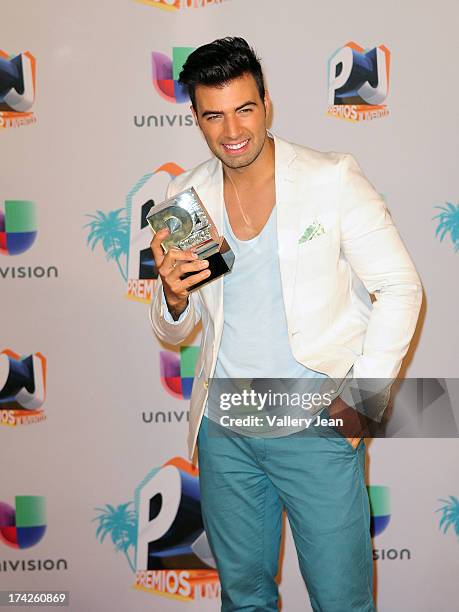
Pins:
<point x="236" y="147"/>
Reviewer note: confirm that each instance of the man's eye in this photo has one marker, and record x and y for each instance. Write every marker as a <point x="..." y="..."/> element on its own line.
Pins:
<point x="211" y="117"/>
<point x="245" y="110"/>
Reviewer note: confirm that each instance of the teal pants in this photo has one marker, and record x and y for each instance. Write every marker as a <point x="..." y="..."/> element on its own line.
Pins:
<point x="320" y="482"/>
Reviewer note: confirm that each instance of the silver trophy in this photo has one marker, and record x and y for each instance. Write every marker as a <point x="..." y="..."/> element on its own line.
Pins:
<point x="190" y="225"/>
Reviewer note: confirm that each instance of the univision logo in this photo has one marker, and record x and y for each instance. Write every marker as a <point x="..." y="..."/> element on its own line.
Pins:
<point x="379" y="498"/>
<point x="18" y="232"/>
<point x="166" y="72"/>
<point x="177" y="371"/>
<point x="21" y="527"/>
<point x="18" y="226"/>
<point x="177" y="375"/>
<point x="24" y="525"/>
<point x="165" y="75"/>
<point x="380" y="508"/>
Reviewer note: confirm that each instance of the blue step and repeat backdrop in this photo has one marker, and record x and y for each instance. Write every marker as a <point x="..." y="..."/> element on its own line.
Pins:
<point x="95" y="481"/>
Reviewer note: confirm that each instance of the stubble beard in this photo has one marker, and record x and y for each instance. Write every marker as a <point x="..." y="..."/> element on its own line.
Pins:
<point x="238" y="164"/>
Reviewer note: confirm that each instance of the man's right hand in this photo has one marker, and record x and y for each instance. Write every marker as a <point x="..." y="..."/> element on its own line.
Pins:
<point x="171" y="267"/>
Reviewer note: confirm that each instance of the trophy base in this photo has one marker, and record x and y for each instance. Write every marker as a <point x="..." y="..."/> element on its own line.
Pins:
<point x="220" y="262"/>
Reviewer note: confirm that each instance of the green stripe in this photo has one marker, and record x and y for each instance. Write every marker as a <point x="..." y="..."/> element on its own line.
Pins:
<point x="20" y="216"/>
<point x="379" y="500"/>
<point x="30" y="511"/>
<point x="179" y="57"/>
<point x="188" y="358"/>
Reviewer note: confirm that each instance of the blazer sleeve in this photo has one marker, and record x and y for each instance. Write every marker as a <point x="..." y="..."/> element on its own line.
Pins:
<point x="374" y="249"/>
<point x="166" y="329"/>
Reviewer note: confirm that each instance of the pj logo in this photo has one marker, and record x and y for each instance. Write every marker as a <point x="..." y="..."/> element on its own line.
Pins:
<point x="22" y="388"/>
<point x="358" y="82"/>
<point x="163" y="537"/>
<point x="177" y="5"/>
<point x="17" y="89"/>
<point x="125" y="234"/>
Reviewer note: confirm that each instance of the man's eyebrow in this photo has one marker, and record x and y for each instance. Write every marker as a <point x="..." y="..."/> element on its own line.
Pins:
<point x="219" y="112"/>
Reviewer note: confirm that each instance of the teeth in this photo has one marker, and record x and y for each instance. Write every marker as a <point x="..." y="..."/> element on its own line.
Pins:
<point x="238" y="146"/>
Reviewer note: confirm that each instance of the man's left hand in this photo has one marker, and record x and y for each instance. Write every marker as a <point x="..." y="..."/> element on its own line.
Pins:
<point x="354" y="425"/>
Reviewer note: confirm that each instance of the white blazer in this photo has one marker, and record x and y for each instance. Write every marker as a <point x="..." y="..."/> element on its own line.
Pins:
<point x="326" y="281"/>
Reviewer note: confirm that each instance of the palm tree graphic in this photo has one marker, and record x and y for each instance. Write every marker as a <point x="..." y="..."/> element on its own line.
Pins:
<point x="112" y="230"/>
<point x="121" y="524"/>
<point x="450" y="514"/>
<point x="448" y="221"/>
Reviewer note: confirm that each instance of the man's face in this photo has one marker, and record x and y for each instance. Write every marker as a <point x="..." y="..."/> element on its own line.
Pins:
<point x="232" y="118"/>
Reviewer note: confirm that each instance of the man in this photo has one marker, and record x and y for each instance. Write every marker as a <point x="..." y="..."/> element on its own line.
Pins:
<point x="292" y="308"/>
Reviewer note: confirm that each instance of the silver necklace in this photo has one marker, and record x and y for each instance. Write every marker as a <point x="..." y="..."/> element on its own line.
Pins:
<point x="244" y="216"/>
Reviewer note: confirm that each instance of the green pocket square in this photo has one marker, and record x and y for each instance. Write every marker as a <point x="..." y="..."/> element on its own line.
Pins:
<point x="313" y="230"/>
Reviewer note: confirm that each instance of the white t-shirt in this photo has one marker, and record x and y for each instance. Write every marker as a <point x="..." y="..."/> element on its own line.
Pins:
<point x="255" y="341"/>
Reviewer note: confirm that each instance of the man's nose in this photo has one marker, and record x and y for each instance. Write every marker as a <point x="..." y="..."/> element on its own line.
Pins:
<point x="232" y="127"/>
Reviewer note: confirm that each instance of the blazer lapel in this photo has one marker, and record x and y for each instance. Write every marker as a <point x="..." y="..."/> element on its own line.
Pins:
<point x="287" y="218"/>
<point x="211" y="194"/>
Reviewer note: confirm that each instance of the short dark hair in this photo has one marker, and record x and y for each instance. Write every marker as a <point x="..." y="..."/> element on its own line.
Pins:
<point x="218" y="62"/>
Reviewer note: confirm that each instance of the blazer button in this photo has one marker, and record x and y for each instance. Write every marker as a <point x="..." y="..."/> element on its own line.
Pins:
<point x="206" y="384"/>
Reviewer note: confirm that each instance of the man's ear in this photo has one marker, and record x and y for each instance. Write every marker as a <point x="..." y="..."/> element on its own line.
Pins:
<point x="267" y="103"/>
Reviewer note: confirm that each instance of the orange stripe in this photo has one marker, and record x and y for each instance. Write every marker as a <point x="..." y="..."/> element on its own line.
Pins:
<point x="355" y="46"/>
<point x="183" y="464"/>
<point x="171" y="168"/>
<point x="14" y="114"/>
<point x="33" y="63"/>
<point x="43" y="365"/>
<point x="22" y="412"/>
<point x="164" y="7"/>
